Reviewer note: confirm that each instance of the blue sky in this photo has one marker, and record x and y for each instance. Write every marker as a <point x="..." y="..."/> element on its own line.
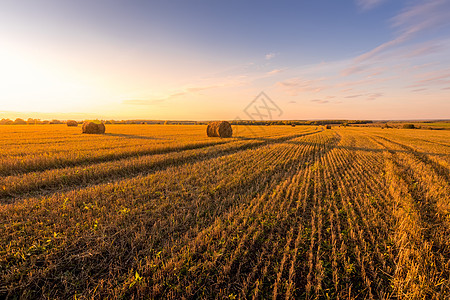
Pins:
<point x="355" y="59"/>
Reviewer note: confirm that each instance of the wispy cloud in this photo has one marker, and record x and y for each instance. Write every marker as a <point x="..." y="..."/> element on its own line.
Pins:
<point x="427" y="14"/>
<point x="425" y="49"/>
<point x="354" y="96"/>
<point x="200" y="88"/>
<point x="372" y="53"/>
<point x="270" y="55"/>
<point x="353" y="69"/>
<point x="365" y="63"/>
<point x="374" y="96"/>
<point x="367" y="96"/>
<point x="409" y="24"/>
<point x="188" y="90"/>
<point x="363" y="81"/>
<point x="441" y="77"/>
<point x="320" y="101"/>
<point x="296" y="85"/>
<point x="412" y="21"/>
<point x="368" y="4"/>
<point x="152" y="101"/>
<point x="143" y="102"/>
<point x="275" y="71"/>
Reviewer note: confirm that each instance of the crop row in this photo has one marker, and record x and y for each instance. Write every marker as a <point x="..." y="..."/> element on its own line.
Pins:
<point x="71" y="177"/>
<point x="87" y="228"/>
<point x="106" y="148"/>
<point x="335" y="214"/>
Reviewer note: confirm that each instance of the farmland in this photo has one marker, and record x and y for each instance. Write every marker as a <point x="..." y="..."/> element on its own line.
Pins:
<point x="163" y="211"/>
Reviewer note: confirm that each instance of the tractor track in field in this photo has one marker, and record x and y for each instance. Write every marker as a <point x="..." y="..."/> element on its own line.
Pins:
<point x="6" y="170"/>
<point x="438" y="168"/>
<point x="329" y="214"/>
<point x="61" y="163"/>
<point x="67" y="180"/>
<point x="242" y="259"/>
<point x="434" y="221"/>
<point x="78" y="259"/>
<point x="434" y="142"/>
<point x="84" y="161"/>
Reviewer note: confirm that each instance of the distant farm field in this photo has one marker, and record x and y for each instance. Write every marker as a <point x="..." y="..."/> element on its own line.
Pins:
<point x="281" y="212"/>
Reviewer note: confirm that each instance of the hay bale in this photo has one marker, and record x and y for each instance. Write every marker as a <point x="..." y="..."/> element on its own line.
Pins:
<point x="219" y="129"/>
<point x="72" y="123"/>
<point x="93" y="127"/>
<point x="328" y="127"/>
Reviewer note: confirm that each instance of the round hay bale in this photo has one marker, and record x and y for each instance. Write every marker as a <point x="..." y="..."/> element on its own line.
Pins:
<point x="328" y="127"/>
<point x="72" y="123"/>
<point x="93" y="128"/>
<point x="219" y="129"/>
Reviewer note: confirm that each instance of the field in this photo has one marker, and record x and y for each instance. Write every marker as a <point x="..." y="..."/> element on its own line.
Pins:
<point x="154" y="211"/>
<point x="442" y="125"/>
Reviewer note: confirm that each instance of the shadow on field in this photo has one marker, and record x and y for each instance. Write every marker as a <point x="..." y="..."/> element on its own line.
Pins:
<point x="353" y="148"/>
<point x="393" y="151"/>
<point x="277" y="139"/>
<point x="132" y="136"/>
<point x="290" y="140"/>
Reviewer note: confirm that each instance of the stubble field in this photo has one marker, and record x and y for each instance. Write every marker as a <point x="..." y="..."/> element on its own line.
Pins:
<point x="154" y="211"/>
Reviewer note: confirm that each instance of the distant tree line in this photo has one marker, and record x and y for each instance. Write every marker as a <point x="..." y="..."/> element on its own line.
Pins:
<point x="31" y="121"/>
<point x="301" y="122"/>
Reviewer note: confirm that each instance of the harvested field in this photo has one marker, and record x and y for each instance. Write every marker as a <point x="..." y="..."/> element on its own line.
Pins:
<point x="273" y="212"/>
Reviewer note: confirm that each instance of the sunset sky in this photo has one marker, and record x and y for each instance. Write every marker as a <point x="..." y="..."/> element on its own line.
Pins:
<point x="202" y="60"/>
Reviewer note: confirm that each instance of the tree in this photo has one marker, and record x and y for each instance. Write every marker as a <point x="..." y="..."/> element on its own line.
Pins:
<point x="6" y="122"/>
<point x="408" y="126"/>
<point x="20" y="121"/>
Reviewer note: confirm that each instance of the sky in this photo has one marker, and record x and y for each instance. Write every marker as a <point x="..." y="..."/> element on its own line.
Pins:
<point x="210" y="59"/>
